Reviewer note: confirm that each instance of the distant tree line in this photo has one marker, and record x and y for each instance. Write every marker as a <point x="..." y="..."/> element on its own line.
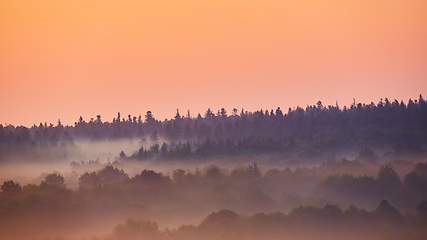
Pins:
<point x="309" y="130"/>
<point x="385" y="222"/>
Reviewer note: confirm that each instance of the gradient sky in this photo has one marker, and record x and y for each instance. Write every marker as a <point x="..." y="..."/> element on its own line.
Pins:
<point x="70" y="58"/>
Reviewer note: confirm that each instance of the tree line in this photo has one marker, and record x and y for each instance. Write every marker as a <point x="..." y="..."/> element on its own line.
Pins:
<point x="315" y="128"/>
<point x="311" y="195"/>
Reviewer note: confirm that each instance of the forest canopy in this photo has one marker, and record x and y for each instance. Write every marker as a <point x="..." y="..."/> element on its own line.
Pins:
<point x="296" y="134"/>
<point x="320" y="172"/>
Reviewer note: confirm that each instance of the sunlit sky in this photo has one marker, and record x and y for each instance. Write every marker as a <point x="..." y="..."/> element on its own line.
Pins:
<point x="70" y="58"/>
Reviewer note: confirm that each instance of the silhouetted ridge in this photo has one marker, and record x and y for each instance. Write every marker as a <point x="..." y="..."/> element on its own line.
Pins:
<point x="309" y="132"/>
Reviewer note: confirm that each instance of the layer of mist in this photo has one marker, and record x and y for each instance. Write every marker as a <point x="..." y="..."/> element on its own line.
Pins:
<point x="314" y="173"/>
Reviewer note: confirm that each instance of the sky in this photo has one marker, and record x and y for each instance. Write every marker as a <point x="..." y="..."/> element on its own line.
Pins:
<point x="71" y="58"/>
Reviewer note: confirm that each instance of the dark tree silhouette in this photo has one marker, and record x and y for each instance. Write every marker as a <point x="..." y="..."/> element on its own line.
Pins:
<point x="55" y="179"/>
<point x="10" y="188"/>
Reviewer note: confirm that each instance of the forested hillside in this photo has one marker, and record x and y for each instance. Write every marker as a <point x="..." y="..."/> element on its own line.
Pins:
<point x="322" y="172"/>
<point x="301" y="203"/>
<point x="313" y="132"/>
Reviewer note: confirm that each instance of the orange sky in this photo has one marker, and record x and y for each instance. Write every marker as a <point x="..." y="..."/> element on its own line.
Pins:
<point x="70" y="58"/>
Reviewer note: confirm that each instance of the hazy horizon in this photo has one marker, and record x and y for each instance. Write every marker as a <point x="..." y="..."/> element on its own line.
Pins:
<point x="88" y="58"/>
<point x="312" y="125"/>
<point x="170" y="116"/>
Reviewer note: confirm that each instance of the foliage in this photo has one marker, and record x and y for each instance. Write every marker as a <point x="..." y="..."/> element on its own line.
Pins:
<point x="55" y="179"/>
<point x="108" y="174"/>
<point x="305" y="134"/>
<point x="10" y="188"/>
<point x="148" y="193"/>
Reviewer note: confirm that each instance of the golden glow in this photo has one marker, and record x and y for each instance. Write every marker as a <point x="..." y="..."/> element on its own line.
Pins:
<point x="63" y="59"/>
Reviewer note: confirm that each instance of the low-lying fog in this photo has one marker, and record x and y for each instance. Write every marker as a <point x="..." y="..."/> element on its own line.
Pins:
<point x="92" y="156"/>
<point x="186" y="191"/>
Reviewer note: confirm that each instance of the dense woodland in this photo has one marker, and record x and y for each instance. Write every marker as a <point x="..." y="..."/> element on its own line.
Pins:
<point x="332" y="209"/>
<point x="295" y="135"/>
<point x="266" y="174"/>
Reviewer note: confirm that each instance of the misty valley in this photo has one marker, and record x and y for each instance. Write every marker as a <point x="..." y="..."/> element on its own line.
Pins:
<point x="320" y="172"/>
